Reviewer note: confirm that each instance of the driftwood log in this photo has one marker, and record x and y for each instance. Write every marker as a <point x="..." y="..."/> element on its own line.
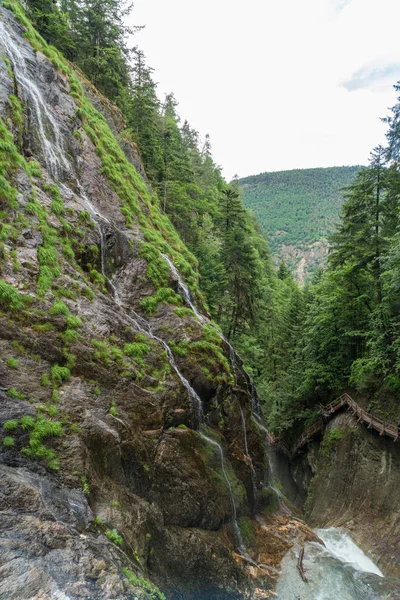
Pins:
<point x="300" y="565"/>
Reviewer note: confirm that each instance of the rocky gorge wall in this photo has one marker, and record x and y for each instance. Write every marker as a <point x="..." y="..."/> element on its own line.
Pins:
<point x="350" y="478"/>
<point x="130" y="445"/>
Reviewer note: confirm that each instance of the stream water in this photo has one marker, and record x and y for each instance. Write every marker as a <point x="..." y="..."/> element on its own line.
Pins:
<point x="46" y="123"/>
<point x="337" y="571"/>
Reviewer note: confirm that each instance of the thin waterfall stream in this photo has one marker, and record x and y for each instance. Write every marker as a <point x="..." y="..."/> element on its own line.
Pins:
<point x="269" y="473"/>
<point x="53" y="150"/>
<point x="238" y="535"/>
<point x="56" y="162"/>
<point x="246" y="448"/>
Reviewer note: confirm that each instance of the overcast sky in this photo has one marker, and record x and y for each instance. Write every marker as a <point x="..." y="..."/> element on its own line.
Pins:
<point x="278" y="84"/>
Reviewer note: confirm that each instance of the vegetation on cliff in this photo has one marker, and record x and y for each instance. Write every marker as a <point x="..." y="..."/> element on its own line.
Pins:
<point x="301" y="345"/>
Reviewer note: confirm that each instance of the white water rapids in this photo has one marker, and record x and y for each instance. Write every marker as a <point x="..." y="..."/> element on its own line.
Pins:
<point x="340" y="570"/>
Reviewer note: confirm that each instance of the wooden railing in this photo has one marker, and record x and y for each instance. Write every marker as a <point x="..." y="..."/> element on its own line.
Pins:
<point x="326" y="412"/>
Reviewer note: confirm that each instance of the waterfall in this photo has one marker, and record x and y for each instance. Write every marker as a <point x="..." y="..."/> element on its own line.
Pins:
<point x="185" y="293"/>
<point x="269" y="473"/>
<point x="55" y="160"/>
<point x="238" y="535"/>
<point x="338" y="570"/>
<point x="246" y="447"/>
<point x="183" y="288"/>
<point x="53" y="150"/>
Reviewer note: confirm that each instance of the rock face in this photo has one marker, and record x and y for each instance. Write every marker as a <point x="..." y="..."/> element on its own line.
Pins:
<point x="351" y="478"/>
<point x="106" y="371"/>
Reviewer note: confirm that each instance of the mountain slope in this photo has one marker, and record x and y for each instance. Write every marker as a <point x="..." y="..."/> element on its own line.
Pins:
<point x="298" y="209"/>
<point x="108" y="370"/>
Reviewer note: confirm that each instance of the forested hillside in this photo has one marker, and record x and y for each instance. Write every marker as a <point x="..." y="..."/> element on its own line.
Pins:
<point x="298" y="210"/>
<point x="347" y="330"/>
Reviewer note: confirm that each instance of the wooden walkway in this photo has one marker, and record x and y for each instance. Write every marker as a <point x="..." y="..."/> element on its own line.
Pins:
<point x="327" y="412"/>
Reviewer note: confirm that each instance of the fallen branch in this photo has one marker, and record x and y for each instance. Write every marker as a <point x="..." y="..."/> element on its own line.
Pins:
<point x="300" y="565"/>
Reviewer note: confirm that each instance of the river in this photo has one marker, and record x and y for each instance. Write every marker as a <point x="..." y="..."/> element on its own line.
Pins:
<point x="340" y="570"/>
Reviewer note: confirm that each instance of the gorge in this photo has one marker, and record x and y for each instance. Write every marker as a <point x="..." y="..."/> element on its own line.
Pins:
<point x="136" y="459"/>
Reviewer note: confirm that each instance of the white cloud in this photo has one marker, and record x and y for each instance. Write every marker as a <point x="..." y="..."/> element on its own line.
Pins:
<point x="266" y="78"/>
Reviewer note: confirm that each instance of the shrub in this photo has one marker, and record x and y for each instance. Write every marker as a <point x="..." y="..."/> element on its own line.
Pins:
<point x="114" y="537"/>
<point x="27" y="422"/>
<point x="8" y="441"/>
<point x="10" y="297"/>
<point x="113" y="409"/>
<point x="12" y="363"/>
<point x="60" y="374"/>
<point x="150" y="591"/>
<point x="59" y="308"/>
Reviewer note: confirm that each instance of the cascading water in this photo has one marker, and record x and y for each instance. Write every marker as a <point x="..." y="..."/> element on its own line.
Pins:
<point x="249" y="460"/>
<point x="238" y="535"/>
<point x="337" y="571"/>
<point x="269" y="472"/>
<point x="56" y="162"/>
<point x="183" y="288"/>
<point x="45" y="121"/>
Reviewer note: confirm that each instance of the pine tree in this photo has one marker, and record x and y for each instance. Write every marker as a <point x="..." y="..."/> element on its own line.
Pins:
<point x="143" y="116"/>
<point x="101" y="39"/>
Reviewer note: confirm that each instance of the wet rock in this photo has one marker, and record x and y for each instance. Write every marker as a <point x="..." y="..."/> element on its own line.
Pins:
<point x="101" y="468"/>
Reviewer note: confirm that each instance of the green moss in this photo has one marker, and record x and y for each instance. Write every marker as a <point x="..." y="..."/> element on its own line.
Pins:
<point x="40" y="429"/>
<point x="14" y="393"/>
<point x="10" y="298"/>
<point x="27" y="422"/>
<point x="70" y="336"/>
<point x="59" y="374"/>
<point x="85" y="485"/>
<point x="11" y="425"/>
<point x="97" y="278"/>
<point x="180" y="348"/>
<point x="12" y="363"/>
<point x="8" y="441"/>
<point x="137" y="350"/>
<point x="270" y="500"/>
<point x="59" y="308"/>
<point x="114" y="537"/>
<point x="246" y="527"/>
<point x="113" y="409"/>
<point x="17" y="110"/>
<point x="33" y="169"/>
<point x="184" y="312"/>
<point x="17" y="346"/>
<point x="162" y="296"/>
<point x="150" y="591"/>
<point x="157" y="268"/>
<point x="329" y="441"/>
<point x="45" y="380"/>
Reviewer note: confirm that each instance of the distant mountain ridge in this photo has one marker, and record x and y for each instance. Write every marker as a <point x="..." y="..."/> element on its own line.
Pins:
<point x="298" y="210"/>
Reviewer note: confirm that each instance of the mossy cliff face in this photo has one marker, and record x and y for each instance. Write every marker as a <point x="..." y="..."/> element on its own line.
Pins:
<point x="106" y="482"/>
<point x="351" y="478"/>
